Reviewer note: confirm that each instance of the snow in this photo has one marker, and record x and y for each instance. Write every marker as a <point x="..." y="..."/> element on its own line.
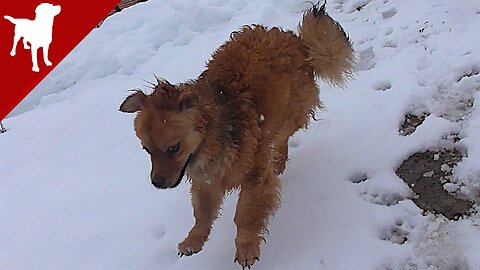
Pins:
<point x="74" y="187"/>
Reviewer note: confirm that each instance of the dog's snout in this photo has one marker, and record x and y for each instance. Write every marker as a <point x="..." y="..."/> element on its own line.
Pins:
<point x="159" y="181"/>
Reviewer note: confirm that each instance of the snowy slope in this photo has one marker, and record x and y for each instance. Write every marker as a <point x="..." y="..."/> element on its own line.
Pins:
<point x="74" y="187"/>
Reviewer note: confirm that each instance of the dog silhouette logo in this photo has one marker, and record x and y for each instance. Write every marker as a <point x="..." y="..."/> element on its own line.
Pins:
<point x="37" y="33"/>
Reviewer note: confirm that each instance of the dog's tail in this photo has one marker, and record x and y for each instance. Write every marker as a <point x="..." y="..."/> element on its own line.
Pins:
<point x="330" y="51"/>
<point x="14" y="21"/>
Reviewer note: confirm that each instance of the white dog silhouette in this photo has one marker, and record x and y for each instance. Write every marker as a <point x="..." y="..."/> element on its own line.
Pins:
<point x="37" y="32"/>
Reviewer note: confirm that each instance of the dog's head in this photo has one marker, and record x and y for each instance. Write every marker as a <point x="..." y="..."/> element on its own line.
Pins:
<point x="169" y="128"/>
<point x="47" y="10"/>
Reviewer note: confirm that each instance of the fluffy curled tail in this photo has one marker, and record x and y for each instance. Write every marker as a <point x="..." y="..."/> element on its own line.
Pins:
<point x="329" y="48"/>
<point x="10" y="19"/>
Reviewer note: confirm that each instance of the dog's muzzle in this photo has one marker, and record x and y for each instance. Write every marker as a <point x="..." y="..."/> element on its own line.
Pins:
<point x="161" y="183"/>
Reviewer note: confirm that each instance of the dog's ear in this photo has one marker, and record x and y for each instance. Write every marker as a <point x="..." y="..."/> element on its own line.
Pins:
<point x="134" y="103"/>
<point x="187" y="101"/>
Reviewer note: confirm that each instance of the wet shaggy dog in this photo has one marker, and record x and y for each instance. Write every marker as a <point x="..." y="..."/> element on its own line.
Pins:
<point x="229" y="128"/>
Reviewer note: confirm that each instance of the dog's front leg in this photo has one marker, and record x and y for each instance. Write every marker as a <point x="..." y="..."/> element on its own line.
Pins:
<point x="16" y="38"/>
<point x="34" y="59"/>
<point x="45" y="55"/>
<point x="256" y="203"/>
<point x="206" y="200"/>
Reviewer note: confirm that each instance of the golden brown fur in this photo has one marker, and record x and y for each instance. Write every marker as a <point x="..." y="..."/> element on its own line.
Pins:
<point x="230" y="127"/>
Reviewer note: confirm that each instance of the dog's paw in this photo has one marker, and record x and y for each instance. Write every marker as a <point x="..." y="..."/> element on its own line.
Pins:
<point x="35" y="69"/>
<point x="48" y="63"/>
<point x="247" y="253"/>
<point x="191" y="245"/>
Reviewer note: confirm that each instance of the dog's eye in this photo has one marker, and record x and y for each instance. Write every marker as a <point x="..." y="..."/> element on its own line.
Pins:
<point x="173" y="149"/>
<point x="147" y="150"/>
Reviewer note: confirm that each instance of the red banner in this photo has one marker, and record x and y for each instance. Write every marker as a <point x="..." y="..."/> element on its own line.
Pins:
<point x="70" y="25"/>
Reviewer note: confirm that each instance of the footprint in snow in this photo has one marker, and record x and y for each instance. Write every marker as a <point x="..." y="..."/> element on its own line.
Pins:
<point x="360" y="6"/>
<point x="366" y="59"/>
<point x="389" y="13"/>
<point x="383" y="198"/>
<point x="356" y="6"/>
<point x="383" y="85"/>
<point x="293" y="142"/>
<point x="390" y="43"/>
<point x="388" y="31"/>
<point x="395" y="234"/>
<point x="423" y="63"/>
<point x="358" y="178"/>
<point x="339" y="1"/>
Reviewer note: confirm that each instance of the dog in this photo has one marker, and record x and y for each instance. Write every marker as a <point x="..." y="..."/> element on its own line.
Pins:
<point x="37" y="32"/>
<point x="229" y="128"/>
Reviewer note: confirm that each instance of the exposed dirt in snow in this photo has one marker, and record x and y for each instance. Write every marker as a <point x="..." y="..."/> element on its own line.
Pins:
<point x="411" y="123"/>
<point x="121" y="6"/>
<point x="426" y="173"/>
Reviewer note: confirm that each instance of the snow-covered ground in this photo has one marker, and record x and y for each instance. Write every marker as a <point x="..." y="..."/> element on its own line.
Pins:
<point x="74" y="187"/>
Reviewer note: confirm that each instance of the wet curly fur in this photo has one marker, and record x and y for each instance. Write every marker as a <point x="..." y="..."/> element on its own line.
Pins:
<point x="229" y="128"/>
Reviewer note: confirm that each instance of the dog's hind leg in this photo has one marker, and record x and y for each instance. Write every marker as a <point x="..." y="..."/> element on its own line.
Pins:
<point x="45" y="55"/>
<point x="206" y="200"/>
<point x="34" y="59"/>
<point x="280" y="152"/>
<point x="256" y="203"/>
<point x="16" y="38"/>
<point x="280" y="156"/>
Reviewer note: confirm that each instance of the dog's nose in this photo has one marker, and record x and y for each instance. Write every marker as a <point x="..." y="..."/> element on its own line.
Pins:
<point x="159" y="182"/>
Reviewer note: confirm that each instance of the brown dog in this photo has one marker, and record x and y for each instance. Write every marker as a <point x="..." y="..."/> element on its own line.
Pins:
<point x="229" y="128"/>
